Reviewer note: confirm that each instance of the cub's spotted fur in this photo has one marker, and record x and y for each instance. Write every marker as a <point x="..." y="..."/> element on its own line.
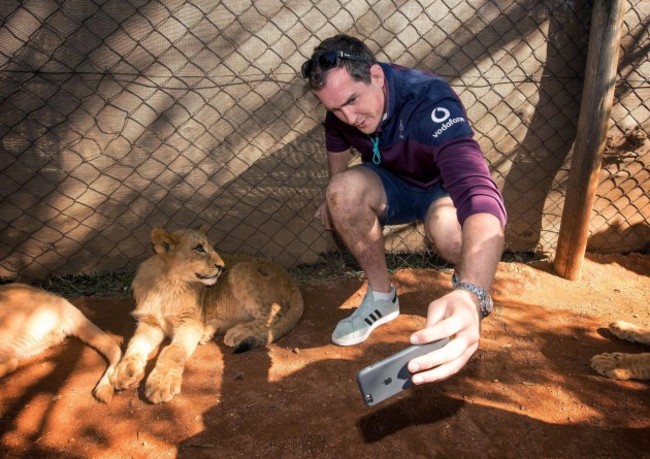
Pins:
<point x="619" y="365"/>
<point x="254" y="301"/>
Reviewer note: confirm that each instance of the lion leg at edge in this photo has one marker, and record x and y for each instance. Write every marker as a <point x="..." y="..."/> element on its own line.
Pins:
<point x="620" y="365"/>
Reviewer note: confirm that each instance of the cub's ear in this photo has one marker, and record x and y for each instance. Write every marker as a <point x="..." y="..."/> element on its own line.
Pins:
<point x="162" y="241"/>
<point x="202" y="229"/>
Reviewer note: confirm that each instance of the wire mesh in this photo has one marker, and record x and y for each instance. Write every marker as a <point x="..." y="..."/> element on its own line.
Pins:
<point x="119" y="116"/>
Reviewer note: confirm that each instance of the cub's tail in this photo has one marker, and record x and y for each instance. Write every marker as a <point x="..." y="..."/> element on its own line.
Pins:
<point x="78" y="325"/>
<point x="263" y="331"/>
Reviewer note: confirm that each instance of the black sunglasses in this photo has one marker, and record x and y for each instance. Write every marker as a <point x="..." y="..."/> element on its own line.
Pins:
<point x="327" y="61"/>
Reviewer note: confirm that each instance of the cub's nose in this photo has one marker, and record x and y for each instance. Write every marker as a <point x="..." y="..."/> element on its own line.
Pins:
<point x="220" y="268"/>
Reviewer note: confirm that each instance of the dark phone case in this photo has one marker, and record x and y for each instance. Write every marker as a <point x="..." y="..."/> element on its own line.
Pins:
<point x="385" y="378"/>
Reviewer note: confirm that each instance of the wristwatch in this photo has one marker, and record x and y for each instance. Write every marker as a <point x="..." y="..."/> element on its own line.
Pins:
<point x="484" y="299"/>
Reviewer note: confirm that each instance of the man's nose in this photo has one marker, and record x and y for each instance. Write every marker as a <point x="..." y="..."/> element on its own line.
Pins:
<point x="349" y="115"/>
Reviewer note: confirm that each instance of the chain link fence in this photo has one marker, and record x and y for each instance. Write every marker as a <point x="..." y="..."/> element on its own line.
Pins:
<point x="118" y="116"/>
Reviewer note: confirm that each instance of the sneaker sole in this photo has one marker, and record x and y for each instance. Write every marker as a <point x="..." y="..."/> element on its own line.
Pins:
<point x="362" y="338"/>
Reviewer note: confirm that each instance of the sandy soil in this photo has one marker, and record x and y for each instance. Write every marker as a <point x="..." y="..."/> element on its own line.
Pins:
<point x="528" y="392"/>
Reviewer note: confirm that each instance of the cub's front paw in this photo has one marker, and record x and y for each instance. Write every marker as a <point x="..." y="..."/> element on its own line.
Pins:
<point x="163" y="385"/>
<point x="128" y="373"/>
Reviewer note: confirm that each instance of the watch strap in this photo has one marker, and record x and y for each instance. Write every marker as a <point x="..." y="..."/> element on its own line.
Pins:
<point x="486" y="304"/>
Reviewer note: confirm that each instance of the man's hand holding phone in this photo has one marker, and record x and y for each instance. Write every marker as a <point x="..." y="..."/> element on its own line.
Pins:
<point x="390" y="376"/>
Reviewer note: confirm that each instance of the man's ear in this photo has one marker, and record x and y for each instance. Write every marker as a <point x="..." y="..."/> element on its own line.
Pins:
<point x="162" y="241"/>
<point x="377" y="75"/>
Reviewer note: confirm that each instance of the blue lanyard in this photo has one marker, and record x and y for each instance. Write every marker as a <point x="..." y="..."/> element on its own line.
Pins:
<point x="376" y="154"/>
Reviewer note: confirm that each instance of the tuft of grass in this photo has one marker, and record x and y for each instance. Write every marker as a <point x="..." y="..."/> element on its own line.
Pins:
<point x="523" y="257"/>
<point x="336" y="265"/>
<point x="330" y="266"/>
<point x="101" y="284"/>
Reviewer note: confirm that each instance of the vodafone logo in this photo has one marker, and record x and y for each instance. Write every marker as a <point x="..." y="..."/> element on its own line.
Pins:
<point x="439" y="115"/>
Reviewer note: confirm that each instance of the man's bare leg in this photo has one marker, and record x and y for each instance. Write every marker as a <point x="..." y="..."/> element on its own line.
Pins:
<point x="355" y="199"/>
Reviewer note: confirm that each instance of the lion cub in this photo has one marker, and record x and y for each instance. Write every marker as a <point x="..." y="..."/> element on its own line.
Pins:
<point x="619" y="365"/>
<point x="33" y="320"/>
<point x="255" y="302"/>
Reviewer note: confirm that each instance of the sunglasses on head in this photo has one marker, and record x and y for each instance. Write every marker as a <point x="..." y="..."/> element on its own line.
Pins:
<point x="327" y="61"/>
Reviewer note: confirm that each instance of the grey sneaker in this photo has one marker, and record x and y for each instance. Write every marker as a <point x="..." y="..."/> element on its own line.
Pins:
<point x="369" y="315"/>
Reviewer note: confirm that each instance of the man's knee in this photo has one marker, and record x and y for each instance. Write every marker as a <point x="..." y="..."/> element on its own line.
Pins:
<point x="335" y="194"/>
<point x="352" y="188"/>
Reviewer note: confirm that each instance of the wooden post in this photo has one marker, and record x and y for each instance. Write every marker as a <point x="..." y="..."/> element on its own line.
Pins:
<point x="595" y="110"/>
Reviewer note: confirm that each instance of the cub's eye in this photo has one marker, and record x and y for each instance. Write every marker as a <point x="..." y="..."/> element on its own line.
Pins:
<point x="199" y="249"/>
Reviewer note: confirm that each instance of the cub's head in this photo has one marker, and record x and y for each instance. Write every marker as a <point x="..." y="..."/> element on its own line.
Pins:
<point x="188" y="255"/>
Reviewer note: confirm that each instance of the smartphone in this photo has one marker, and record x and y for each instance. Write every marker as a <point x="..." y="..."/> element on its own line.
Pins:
<point x="390" y="376"/>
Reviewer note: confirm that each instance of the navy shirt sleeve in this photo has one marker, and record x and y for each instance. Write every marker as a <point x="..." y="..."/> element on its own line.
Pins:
<point x="443" y="125"/>
<point x="466" y="177"/>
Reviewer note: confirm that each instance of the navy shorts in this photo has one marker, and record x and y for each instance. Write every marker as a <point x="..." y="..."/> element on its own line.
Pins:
<point x="406" y="202"/>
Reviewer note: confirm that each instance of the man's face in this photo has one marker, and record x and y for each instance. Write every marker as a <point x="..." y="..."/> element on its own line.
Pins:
<point x="354" y="102"/>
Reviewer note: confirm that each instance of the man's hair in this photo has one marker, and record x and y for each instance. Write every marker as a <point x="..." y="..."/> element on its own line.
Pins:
<point x="359" y="70"/>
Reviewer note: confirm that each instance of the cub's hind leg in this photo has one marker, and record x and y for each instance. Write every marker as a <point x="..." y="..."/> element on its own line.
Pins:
<point x="130" y="371"/>
<point x="165" y="380"/>
<point x="270" y="298"/>
<point x="618" y="365"/>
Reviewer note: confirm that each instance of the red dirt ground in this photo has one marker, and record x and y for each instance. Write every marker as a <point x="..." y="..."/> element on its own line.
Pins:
<point x="528" y="392"/>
